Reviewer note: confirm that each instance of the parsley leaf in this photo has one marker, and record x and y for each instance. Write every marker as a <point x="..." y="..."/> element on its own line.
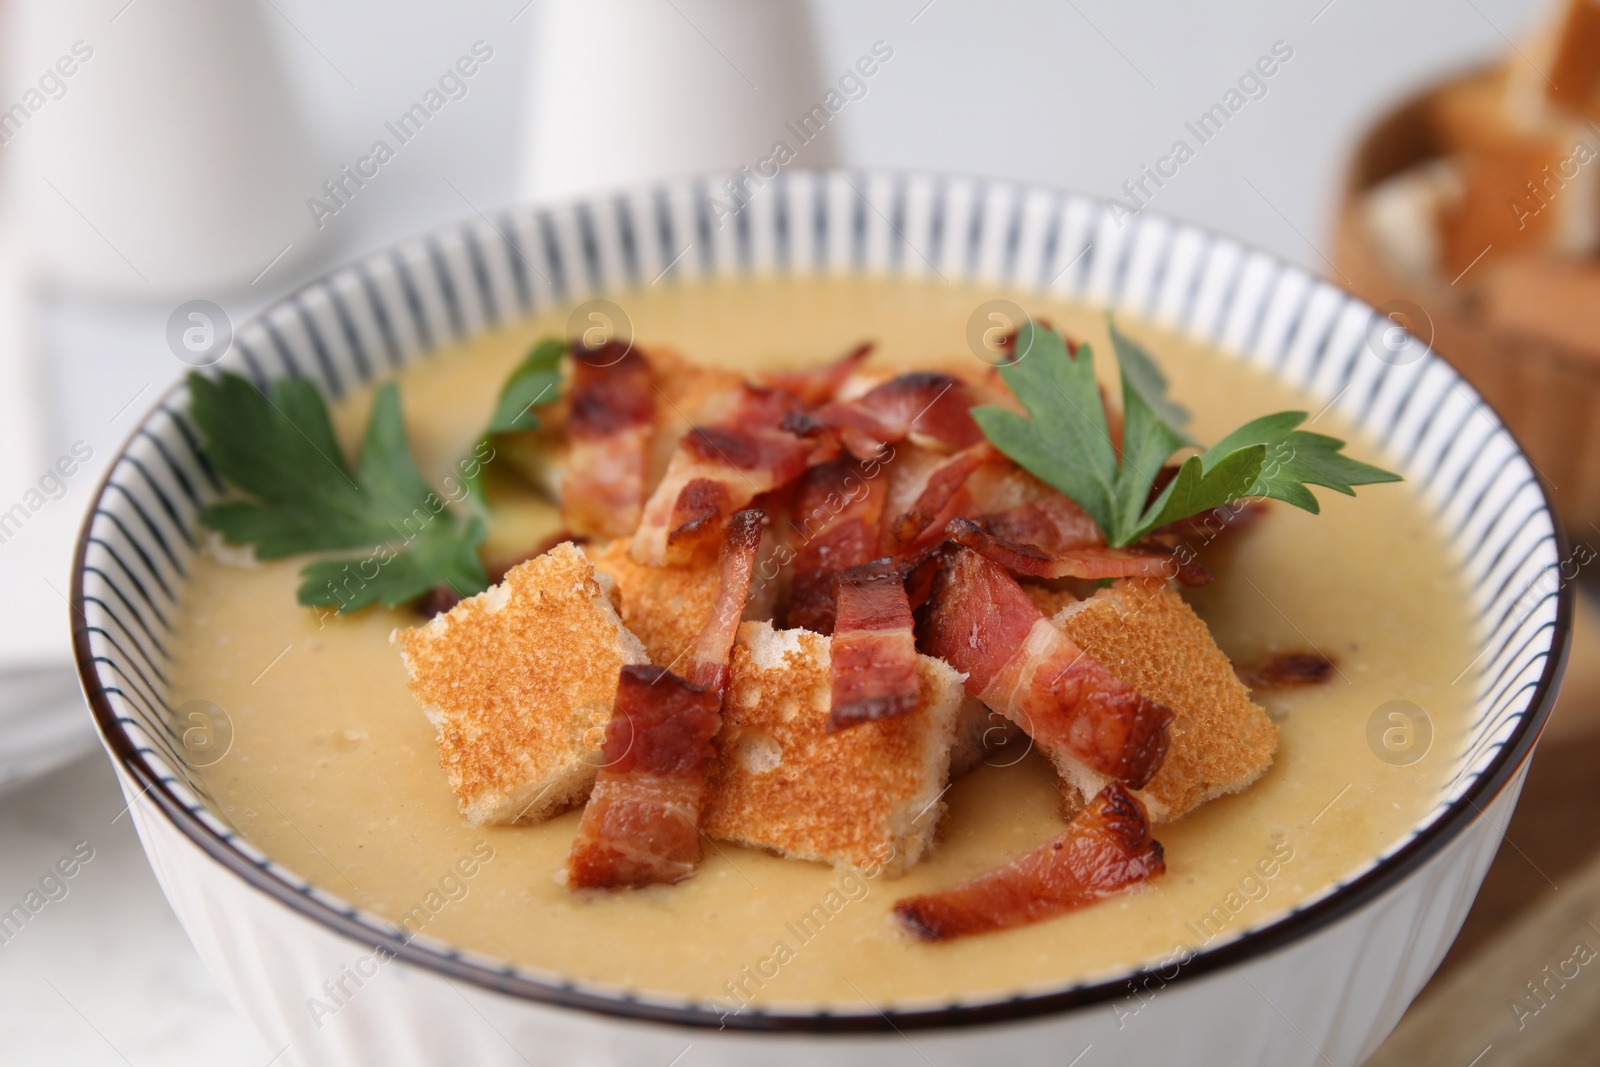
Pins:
<point x="1061" y="393"/>
<point x="1066" y="442"/>
<point x="1197" y="488"/>
<point x="1297" y="458"/>
<point x="278" y="449"/>
<point x="1140" y="373"/>
<point x="440" y="552"/>
<point x="533" y="383"/>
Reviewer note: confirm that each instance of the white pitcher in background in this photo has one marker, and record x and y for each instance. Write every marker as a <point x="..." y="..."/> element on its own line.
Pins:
<point x="152" y="147"/>
<point x="622" y="90"/>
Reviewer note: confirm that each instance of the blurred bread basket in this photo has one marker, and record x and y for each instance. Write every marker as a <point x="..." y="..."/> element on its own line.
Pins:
<point x="1470" y="214"/>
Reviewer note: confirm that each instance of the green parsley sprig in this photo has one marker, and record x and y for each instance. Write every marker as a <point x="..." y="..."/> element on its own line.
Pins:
<point x="1066" y="442"/>
<point x="279" y="450"/>
<point x="533" y="383"/>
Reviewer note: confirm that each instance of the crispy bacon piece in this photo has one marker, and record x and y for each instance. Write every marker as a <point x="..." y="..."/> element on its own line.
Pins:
<point x="613" y="407"/>
<point x="1092" y="561"/>
<point x="943" y="496"/>
<point x="874" y="652"/>
<point x="642" y="822"/>
<point x="1018" y="513"/>
<point x="438" y="600"/>
<point x="1191" y="572"/>
<point x="849" y="512"/>
<point x="1290" y="670"/>
<point x="930" y="408"/>
<point x="715" y="471"/>
<point x="1050" y="525"/>
<point x="708" y="659"/>
<point x="908" y="472"/>
<point x="1224" y="521"/>
<point x="981" y="622"/>
<point x="641" y="825"/>
<point x="817" y="385"/>
<point x="920" y="571"/>
<point x="1208" y="526"/>
<point x="838" y="513"/>
<point x="1021" y="507"/>
<point x="1035" y="529"/>
<point x="1105" y="849"/>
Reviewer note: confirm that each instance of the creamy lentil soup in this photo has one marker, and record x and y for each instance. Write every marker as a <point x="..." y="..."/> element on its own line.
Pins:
<point x="333" y="769"/>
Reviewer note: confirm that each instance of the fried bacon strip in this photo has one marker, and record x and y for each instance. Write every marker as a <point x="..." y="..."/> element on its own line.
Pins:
<point x="817" y="385"/>
<point x="932" y="409"/>
<point x="641" y="825"/>
<point x="1033" y="529"/>
<point x="1201" y="530"/>
<point x="642" y="822"/>
<point x="874" y="652"/>
<point x="981" y="622"/>
<point x="1019" y="507"/>
<point x="718" y="469"/>
<point x="845" y="519"/>
<point x="1230" y="518"/>
<point x="1015" y="509"/>
<point x="1220" y="523"/>
<point x="1289" y="670"/>
<point x="1107" y="848"/>
<point x="1090" y="561"/>
<point x="741" y="543"/>
<point x="838" y="513"/>
<point x="612" y="397"/>
<point x="1053" y="525"/>
<point x="944" y="496"/>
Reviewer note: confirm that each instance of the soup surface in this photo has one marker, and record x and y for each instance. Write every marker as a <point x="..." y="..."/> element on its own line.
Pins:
<point x="333" y="770"/>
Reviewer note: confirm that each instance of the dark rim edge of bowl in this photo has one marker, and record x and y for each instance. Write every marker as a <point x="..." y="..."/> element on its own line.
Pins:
<point x="1302" y="922"/>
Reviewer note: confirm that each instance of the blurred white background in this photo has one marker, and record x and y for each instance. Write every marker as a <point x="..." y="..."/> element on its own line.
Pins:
<point x="106" y="190"/>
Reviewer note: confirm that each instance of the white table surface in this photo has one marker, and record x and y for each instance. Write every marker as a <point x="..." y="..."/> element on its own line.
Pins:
<point x="104" y="975"/>
<point x="1085" y="95"/>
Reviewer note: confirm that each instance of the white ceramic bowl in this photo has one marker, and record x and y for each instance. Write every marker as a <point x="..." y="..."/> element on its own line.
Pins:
<point x="1321" y="985"/>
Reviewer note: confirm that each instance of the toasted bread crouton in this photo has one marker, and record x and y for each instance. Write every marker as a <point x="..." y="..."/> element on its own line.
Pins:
<point x="982" y="734"/>
<point x="1145" y="634"/>
<point x="864" y="797"/>
<point x="689" y="394"/>
<point x="663" y="606"/>
<point x="520" y="681"/>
